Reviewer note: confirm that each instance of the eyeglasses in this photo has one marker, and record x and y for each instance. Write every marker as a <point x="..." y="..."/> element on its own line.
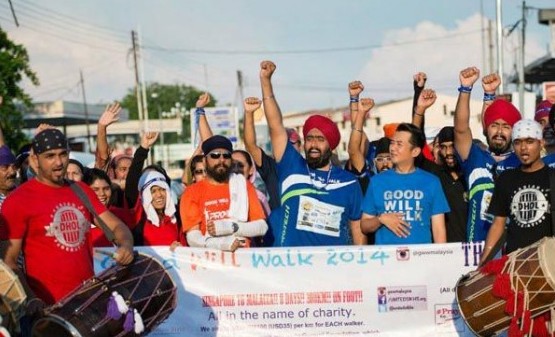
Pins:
<point x="199" y="171"/>
<point x="217" y="155"/>
<point x="381" y="159"/>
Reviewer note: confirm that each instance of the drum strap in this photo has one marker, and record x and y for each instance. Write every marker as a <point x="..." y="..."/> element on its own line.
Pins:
<point x="85" y="200"/>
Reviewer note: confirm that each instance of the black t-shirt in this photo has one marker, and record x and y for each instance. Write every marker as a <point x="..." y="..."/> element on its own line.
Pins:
<point x="455" y="193"/>
<point x="524" y="198"/>
<point x="268" y="173"/>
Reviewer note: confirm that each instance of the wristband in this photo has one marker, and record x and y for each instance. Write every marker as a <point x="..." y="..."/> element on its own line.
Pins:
<point x="359" y="130"/>
<point x="200" y="111"/>
<point x="268" y="97"/>
<point x="464" y="89"/>
<point x="489" y="97"/>
<point x="417" y="114"/>
<point x="353" y="99"/>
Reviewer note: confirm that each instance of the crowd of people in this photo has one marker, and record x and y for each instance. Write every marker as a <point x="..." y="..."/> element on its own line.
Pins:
<point x="395" y="190"/>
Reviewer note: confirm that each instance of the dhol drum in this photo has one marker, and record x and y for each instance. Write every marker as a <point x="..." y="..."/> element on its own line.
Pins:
<point x="13" y="298"/>
<point x="529" y="272"/>
<point x="145" y="285"/>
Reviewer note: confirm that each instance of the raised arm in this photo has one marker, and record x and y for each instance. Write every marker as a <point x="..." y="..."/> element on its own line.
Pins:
<point x="418" y="83"/>
<point x="463" y="134"/>
<point x="356" y="155"/>
<point x="278" y="134"/>
<point x="250" y="105"/>
<point x="426" y="99"/>
<point x="109" y="116"/>
<point x="135" y="170"/>
<point x="203" y="127"/>
<point x="490" y="83"/>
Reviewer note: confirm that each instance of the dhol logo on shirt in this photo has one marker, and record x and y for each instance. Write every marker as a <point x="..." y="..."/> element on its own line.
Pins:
<point x="68" y="227"/>
<point x="404" y="201"/>
<point x="529" y="206"/>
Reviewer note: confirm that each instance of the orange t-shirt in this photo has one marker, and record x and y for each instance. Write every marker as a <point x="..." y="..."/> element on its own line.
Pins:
<point x="204" y="201"/>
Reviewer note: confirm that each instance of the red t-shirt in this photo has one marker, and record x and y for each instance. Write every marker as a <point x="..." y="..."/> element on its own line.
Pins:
<point x="163" y="235"/>
<point x="204" y="201"/>
<point x="54" y="226"/>
<point x="98" y="238"/>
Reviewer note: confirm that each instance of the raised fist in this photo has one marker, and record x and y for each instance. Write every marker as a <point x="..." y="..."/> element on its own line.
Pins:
<point x="251" y="104"/>
<point x="490" y="83"/>
<point x="426" y="99"/>
<point x="365" y="104"/>
<point x="420" y="79"/>
<point x="203" y="100"/>
<point x="355" y="88"/>
<point x="267" y="68"/>
<point x="469" y="76"/>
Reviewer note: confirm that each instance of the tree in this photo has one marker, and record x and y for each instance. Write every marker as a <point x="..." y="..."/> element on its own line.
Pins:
<point x="14" y="69"/>
<point x="163" y="97"/>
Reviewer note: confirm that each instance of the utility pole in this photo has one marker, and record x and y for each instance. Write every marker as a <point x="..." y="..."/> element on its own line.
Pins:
<point x="86" y="111"/>
<point x="521" y="61"/>
<point x="483" y="36"/>
<point x="137" y="82"/>
<point x="491" y="45"/>
<point x="240" y="85"/>
<point x="499" y="21"/>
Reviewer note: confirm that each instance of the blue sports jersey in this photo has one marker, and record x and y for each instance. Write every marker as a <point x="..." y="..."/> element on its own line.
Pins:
<point x="418" y="195"/>
<point x="549" y="160"/>
<point x="479" y="169"/>
<point x="316" y="206"/>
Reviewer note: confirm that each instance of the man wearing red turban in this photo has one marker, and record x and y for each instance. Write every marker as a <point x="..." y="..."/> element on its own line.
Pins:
<point x="481" y="167"/>
<point x="320" y="203"/>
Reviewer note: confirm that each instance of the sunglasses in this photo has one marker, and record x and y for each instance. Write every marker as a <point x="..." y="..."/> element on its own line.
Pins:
<point x="217" y="155"/>
<point x="199" y="171"/>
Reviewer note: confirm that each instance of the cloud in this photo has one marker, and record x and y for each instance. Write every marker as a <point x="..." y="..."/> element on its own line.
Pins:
<point x="391" y="67"/>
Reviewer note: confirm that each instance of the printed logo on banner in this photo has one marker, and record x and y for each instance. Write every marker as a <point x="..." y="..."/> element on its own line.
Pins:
<point x="448" y="318"/>
<point x="402" y="298"/>
<point x="382" y="299"/>
<point x="403" y="254"/>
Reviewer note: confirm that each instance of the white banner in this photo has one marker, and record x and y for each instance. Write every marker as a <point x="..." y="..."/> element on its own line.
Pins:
<point x="316" y="291"/>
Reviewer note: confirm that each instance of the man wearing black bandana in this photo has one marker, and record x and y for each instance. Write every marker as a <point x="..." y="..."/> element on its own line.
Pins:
<point x="47" y="222"/>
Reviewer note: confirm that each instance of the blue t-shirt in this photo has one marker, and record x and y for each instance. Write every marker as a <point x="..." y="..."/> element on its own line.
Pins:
<point x="418" y="195"/>
<point x="478" y="172"/>
<point x="316" y="206"/>
<point x="549" y="160"/>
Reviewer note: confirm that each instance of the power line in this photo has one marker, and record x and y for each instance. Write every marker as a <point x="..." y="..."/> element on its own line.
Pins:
<point x="75" y="21"/>
<point x="66" y="30"/>
<point x="307" y="51"/>
<point x="68" y="26"/>
<point x="71" y="40"/>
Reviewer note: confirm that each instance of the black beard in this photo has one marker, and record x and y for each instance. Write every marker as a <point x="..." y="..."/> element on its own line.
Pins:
<point x="316" y="163"/>
<point x="498" y="150"/>
<point x="220" y="177"/>
<point x="455" y="168"/>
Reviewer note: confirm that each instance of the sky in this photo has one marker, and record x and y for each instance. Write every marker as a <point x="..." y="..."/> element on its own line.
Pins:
<point x="318" y="46"/>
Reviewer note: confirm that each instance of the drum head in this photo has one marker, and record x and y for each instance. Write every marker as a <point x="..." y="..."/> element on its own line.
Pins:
<point x="547" y="263"/>
<point x="12" y="297"/>
<point x="54" y="326"/>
